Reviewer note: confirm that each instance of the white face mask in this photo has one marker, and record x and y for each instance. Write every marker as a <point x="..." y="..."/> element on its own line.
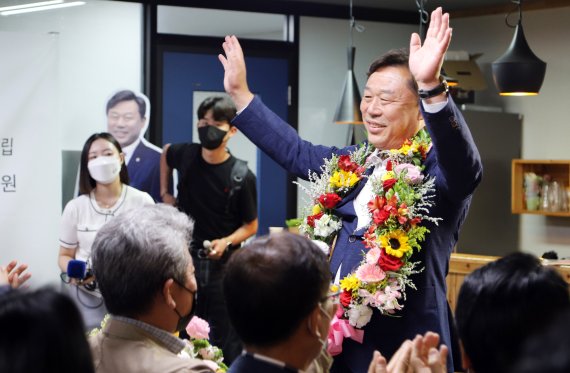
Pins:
<point x="104" y="169"/>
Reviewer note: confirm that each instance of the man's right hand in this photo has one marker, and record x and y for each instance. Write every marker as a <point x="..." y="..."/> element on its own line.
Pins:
<point x="235" y="82"/>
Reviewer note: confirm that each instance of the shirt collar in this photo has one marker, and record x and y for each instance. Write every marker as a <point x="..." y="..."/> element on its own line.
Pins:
<point x="130" y="149"/>
<point x="170" y="341"/>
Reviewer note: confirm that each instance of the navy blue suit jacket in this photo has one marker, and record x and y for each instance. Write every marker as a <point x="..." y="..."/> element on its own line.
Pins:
<point x="455" y="162"/>
<point x="144" y="170"/>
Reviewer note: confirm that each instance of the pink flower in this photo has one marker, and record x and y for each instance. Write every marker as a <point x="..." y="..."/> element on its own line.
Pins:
<point x="413" y="173"/>
<point x="198" y="328"/>
<point x="370" y="273"/>
<point x="373" y="255"/>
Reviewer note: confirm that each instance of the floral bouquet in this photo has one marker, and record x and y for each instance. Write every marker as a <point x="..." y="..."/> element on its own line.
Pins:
<point x="339" y="175"/>
<point x="198" y="346"/>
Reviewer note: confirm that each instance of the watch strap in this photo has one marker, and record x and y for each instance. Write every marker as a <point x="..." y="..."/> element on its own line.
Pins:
<point x="442" y="87"/>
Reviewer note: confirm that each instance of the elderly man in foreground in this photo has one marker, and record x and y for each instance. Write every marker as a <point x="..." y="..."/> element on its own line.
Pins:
<point x="146" y="276"/>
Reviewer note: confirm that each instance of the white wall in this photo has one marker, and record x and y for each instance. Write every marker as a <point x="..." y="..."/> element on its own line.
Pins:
<point x="99" y="50"/>
<point x="546" y="128"/>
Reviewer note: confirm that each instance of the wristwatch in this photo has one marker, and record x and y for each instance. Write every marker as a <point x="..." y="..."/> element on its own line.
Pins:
<point x="442" y="87"/>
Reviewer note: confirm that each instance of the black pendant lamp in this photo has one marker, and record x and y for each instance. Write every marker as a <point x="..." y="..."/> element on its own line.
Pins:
<point x="348" y="108"/>
<point x="519" y="72"/>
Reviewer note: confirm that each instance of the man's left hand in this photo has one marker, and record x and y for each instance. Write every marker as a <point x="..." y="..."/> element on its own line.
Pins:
<point x="426" y="60"/>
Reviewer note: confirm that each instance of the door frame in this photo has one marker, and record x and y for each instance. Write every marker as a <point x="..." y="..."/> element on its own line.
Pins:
<point x="158" y="44"/>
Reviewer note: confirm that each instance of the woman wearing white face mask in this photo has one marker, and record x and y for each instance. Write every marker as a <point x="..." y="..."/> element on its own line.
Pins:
<point x="103" y="194"/>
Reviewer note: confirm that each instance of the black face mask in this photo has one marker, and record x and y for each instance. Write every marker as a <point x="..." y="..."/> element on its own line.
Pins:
<point x="211" y="137"/>
<point x="184" y="320"/>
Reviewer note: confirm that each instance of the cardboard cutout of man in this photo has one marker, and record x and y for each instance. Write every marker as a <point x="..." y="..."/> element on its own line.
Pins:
<point x="127" y="120"/>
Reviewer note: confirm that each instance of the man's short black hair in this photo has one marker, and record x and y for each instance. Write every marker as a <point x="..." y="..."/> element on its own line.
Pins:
<point x="223" y="109"/>
<point x="501" y="304"/>
<point x="394" y="57"/>
<point x="272" y="284"/>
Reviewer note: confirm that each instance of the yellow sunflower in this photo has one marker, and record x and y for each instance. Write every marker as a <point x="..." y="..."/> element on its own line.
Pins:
<point x="343" y="179"/>
<point x="395" y="243"/>
<point x="350" y="283"/>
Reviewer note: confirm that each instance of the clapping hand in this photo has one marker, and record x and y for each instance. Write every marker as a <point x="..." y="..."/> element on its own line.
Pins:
<point x="418" y="356"/>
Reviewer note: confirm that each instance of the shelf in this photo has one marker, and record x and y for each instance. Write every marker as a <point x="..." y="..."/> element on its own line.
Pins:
<point x="559" y="170"/>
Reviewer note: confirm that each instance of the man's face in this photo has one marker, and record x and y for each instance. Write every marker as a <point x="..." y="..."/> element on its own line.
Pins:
<point x="124" y="122"/>
<point x="209" y="120"/>
<point x="389" y="108"/>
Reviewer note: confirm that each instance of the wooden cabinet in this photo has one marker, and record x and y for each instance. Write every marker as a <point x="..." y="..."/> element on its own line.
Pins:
<point x="559" y="170"/>
<point x="460" y="265"/>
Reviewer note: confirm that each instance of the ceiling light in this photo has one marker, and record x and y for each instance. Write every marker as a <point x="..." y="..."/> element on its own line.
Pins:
<point x="519" y="72"/>
<point x="41" y="8"/>
<point x="348" y="108"/>
<point x="30" y="5"/>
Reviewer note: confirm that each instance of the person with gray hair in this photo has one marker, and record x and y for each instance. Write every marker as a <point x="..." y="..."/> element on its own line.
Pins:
<point x="146" y="276"/>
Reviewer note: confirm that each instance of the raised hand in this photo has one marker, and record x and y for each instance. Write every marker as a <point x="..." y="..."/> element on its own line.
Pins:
<point x="426" y="60"/>
<point x="14" y="275"/>
<point x="235" y="82"/>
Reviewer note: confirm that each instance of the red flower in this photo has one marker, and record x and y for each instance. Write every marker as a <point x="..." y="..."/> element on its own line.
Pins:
<point x="376" y="203"/>
<point x="360" y="170"/>
<point x="389" y="262"/>
<point x="380" y="216"/>
<point x="311" y="219"/>
<point x="415" y="221"/>
<point x="389" y="165"/>
<point x="345" y="298"/>
<point x="388" y="184"/>
<point x="329" y="200"/>
<point x="345" y="164"/>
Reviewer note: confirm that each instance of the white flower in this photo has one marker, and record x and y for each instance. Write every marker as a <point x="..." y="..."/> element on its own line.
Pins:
<point x="207" y="353"/>
<point x="359" y="315"/>
<point x="326" y="225"/>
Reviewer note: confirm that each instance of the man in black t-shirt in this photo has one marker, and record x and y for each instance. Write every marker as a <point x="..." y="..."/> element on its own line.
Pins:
<point x="218" y="191"/>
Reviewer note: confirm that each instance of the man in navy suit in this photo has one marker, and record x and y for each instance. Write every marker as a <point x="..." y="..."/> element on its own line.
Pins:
<point x="276" y="291"/>
<point x="127" y="120"/>
<point x="402" y="93"/>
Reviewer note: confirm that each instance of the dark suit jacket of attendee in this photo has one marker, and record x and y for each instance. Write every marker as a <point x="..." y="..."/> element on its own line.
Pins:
<point x="123" y="347"/>
<point x="144" y="170"/>
<point x="246" y="363"/>
<point x="455" y="162"/>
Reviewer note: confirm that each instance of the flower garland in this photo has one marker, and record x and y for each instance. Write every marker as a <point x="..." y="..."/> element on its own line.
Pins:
<point x="402" y="196"/>
<point x="198" y="347"/>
